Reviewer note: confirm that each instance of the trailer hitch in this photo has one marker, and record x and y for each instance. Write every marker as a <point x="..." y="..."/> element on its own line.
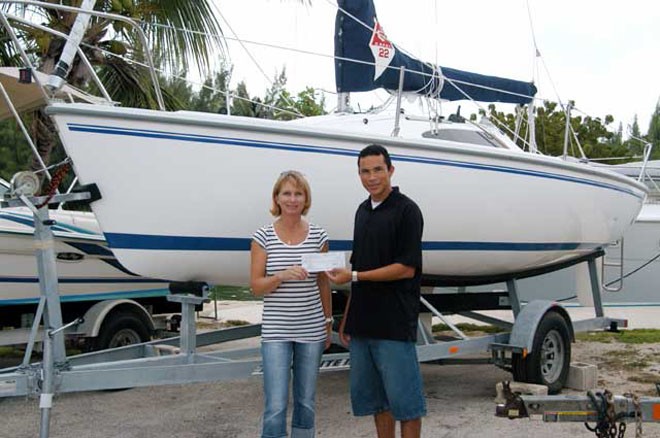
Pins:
<point x="513" y="407"/>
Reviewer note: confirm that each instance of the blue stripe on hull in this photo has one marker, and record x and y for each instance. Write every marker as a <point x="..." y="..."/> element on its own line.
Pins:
<point x="29" y="221"/>
<point x="188" y="243"/>
<point x="147" y="293"/>
<point x="83" y="280"/>
<point x="111" y="130"/>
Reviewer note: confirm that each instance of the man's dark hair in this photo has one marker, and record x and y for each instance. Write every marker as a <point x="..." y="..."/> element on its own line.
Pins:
<point x="375" y="150"/>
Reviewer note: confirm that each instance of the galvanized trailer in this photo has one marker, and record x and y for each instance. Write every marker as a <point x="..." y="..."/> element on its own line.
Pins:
<point x="536" y="349"/>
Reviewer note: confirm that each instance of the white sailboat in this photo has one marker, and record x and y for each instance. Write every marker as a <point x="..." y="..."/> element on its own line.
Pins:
<point x="490" y="208"/>
<point x="87" y="269"/>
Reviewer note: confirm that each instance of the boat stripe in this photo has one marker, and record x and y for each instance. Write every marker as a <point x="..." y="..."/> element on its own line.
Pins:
<point x="113" y="130"/>
<point x="96" y="296"/>
<point x="189" y="243"/>
<point x="29" y="221"/>
<point x="78" y="280"/>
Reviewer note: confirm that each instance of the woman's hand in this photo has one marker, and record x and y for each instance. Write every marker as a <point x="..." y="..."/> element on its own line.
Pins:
<point x="295" y="273"/>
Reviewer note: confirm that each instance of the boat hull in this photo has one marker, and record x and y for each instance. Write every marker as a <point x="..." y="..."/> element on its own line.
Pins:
<point x="86" y="268"/>
<point x="487" y="211"/>
<point x="641" y="269"/>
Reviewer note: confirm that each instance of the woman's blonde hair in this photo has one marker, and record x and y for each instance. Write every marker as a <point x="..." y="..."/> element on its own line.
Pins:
<point x="298" y="180"/>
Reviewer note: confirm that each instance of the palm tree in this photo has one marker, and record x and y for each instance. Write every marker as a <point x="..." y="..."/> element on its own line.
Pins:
<point x="111" y="45"/>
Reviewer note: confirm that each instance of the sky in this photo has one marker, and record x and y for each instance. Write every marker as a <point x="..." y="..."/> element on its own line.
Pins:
<point x="602" y="54"/>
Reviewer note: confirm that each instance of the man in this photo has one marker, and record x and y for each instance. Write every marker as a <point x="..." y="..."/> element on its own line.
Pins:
<point x="380" y="319"/>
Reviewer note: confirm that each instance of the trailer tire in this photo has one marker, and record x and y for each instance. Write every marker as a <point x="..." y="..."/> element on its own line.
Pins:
<point x="550" y="358"/>
<point x="123" y="329"/>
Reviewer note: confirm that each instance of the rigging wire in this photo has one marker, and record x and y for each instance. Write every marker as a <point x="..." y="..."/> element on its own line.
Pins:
<point x="186" y="79"/>
<point x="252" y="58"/>
<point x="539" y="56"/>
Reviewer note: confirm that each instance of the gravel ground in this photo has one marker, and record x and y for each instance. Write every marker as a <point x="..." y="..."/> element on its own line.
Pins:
<point x="459" y="398"/>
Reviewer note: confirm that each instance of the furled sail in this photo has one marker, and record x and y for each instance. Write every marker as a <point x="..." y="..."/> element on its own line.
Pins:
<point x="365" y="60"/>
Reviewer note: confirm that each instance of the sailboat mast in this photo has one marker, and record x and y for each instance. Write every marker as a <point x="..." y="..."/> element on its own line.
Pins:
<point x="531" y="126"/>
<point x="344" y="102"/>
<point x="57" y="78"/>
<point x="568" y="129"/>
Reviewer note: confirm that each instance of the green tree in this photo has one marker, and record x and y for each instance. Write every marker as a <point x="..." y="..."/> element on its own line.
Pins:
<point x="653" y="134"/>
<point x="126" y="82"/>
<point x="283" y="105"/>
<point x="278" y="102"/>
<point x="242" y="104"/>
<point x="596" y="140"/>
<point x="213" y="95"/>
<point x="14" y="150"/>
<point x="634" y="144"/>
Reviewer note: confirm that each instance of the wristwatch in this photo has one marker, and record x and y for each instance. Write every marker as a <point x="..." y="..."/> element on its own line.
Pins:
<point x="354" y="278"/>
<point x="329" y="320"/>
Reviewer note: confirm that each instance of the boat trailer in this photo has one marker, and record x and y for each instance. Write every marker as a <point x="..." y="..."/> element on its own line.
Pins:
<point x="602" y="412"/>
<point x="535" y="347"/>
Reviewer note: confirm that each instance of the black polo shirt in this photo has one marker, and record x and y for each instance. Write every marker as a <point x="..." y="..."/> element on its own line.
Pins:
<point x="389" y="233"/>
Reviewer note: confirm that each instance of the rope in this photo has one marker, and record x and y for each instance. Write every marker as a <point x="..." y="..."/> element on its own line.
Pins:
<point x="54" y="184"/>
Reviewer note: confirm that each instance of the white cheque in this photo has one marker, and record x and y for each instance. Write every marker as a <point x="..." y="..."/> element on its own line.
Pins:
<point x="324" y="261"/>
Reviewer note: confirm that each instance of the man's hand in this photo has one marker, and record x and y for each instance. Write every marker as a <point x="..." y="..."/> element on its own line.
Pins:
<point x="339" y="275"/>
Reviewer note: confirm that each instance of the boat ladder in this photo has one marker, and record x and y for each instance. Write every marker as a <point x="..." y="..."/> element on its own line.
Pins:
<point x="616" y="261"/>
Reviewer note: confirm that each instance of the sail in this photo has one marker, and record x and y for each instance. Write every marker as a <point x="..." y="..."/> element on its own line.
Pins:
<point x="365" y="60"/>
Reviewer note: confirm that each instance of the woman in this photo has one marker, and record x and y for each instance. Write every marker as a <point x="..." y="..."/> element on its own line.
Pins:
<point x="297" y="315"/>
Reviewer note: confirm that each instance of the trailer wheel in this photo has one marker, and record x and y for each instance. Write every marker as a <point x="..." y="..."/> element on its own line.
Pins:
<point x="121" y="330"/>
<point x="550" y="358"/>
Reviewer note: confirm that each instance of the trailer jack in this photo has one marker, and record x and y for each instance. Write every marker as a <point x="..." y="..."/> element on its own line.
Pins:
<point x="602" y="412"/>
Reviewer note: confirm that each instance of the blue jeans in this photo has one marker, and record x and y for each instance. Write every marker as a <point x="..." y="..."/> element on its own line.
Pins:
<point x="385" y="376"/>
<point x="280" y="358"/>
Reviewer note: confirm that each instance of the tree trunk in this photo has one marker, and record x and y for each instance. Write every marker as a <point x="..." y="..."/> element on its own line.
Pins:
<point x="43" y="134"/>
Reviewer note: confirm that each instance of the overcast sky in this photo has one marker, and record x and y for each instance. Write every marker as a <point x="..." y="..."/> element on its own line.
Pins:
<point x="603" y="54"/>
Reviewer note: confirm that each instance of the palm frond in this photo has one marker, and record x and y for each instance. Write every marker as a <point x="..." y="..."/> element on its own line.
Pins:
<point x="182" y="32"/>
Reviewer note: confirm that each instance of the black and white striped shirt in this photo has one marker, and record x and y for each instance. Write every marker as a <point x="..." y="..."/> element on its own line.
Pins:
<point x="293" y="311"/>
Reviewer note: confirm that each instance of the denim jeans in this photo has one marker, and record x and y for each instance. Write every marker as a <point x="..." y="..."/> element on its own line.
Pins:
<point x="385" y="376"/>
<point x="280" y="358"/>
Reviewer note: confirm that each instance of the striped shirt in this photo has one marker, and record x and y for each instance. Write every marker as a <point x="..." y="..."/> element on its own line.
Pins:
<point x="293" y="311"/>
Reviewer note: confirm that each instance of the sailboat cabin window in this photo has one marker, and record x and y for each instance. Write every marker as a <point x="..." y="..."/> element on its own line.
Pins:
<point x="479" y="138"/>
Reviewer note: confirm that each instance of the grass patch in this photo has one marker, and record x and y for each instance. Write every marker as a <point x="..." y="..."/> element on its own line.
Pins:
<point x="466" y="327"/>
<point x="636" y="336"/>
<point x="644" y="377"/>
<point x="627" y="359"/>
<point x="215" y="325"/>
<point x="234" y="293"/>
<point x="235" y="323"/>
